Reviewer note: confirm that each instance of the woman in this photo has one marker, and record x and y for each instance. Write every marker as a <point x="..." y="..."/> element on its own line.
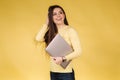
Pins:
<point x="57" y="23"/>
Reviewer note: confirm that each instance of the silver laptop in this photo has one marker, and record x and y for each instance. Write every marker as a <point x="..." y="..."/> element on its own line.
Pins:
<point x="58" y="47"/>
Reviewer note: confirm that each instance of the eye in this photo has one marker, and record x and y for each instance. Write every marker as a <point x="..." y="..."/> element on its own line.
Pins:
<point x="54" y="14"/>
<point x="61" y="12"/>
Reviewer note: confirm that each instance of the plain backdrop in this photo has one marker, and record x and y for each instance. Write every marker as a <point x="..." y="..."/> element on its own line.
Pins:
<point x="96" y="21"/>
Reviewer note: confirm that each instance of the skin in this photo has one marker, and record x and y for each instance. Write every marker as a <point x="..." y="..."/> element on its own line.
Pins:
<point x="58" y="18"/>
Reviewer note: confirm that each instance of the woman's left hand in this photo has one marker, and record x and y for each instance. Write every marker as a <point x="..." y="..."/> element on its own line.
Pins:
<point x="57" y="60"/>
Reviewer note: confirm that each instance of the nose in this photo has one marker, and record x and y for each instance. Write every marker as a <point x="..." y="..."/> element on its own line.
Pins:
<point x="58" y="14"/>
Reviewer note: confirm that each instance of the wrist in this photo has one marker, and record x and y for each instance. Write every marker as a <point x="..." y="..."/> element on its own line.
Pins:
<point x="63" y="59"/>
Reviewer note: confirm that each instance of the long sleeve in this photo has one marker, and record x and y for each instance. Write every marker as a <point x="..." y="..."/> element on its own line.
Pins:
<point x="75" y="42"/>
<point x="40" y="36"/>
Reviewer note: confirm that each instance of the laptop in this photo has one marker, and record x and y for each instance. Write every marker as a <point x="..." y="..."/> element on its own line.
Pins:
<point x="58" y="47"/>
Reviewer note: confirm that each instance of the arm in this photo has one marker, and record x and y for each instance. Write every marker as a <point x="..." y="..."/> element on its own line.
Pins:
<point x="75" y="42"/>
<point x="40" y="35"/>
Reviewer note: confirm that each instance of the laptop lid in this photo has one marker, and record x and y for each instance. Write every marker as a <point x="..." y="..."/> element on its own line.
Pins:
<point x="58" y="47"/>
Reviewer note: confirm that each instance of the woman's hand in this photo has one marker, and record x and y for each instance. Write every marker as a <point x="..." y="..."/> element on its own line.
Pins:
<point x="57" y="60"/>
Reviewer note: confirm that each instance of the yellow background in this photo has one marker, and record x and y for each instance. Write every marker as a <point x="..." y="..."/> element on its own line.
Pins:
<point x="98" y="25"/>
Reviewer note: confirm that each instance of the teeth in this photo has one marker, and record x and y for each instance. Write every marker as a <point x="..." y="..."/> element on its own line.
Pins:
<point x="58" y="19"/>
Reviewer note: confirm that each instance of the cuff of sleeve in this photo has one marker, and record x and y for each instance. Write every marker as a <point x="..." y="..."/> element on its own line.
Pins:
<point x="67" y="58"/>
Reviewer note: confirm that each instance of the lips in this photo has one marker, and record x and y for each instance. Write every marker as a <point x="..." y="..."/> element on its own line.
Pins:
<point x="59" y="19"/>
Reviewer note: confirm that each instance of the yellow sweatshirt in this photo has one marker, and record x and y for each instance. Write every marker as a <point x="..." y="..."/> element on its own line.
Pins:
<point x="71" y="36"/>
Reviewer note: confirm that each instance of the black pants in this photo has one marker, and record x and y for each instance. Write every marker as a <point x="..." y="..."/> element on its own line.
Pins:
<point x="62" y="76"/>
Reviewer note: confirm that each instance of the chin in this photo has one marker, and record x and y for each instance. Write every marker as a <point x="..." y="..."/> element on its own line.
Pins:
<point x="59" y="23"/>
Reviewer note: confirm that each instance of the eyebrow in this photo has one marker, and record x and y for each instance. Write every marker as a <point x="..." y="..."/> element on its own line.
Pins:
<point x="58" y="11"/>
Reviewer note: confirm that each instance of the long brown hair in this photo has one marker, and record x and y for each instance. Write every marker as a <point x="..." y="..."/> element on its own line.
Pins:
<point x="52" y="31"/>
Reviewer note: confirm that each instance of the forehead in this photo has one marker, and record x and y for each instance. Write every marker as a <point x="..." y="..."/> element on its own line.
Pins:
<point x="57" y="10"/>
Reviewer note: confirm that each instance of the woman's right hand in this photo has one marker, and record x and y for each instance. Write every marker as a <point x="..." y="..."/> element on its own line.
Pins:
<point x="57" y="60"/>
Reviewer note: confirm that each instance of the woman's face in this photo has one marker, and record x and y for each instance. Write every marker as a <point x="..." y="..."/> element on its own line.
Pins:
<point x="58" y="16"/>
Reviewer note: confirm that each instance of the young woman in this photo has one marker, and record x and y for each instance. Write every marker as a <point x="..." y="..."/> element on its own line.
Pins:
<point x="57" y="23"/>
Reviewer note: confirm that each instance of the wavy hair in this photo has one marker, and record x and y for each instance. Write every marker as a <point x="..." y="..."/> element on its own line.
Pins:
<point x="52" y="28"/>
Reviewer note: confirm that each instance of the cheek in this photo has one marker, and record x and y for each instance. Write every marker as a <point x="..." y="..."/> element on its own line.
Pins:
<point x="54" y="18"/>
<point x="63" y="16"/>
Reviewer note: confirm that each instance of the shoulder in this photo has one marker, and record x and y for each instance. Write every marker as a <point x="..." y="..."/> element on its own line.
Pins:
<point x="71" y="29"/>
<point x="72" y="32"/>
